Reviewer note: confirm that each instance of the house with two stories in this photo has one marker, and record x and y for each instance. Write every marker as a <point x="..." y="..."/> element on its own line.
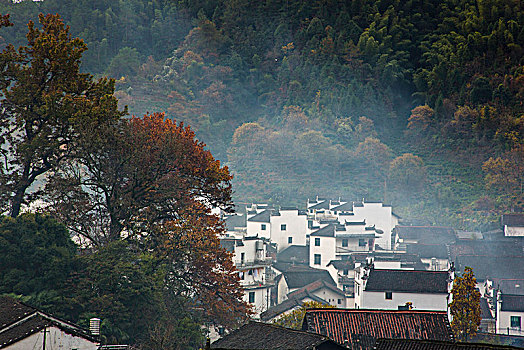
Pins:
<point x="375" y="214"/>
<point x="389" y="289"/>
<point x="283" y="226"/>
<point x="510" y="314"/>
<point x="250" y="256"/>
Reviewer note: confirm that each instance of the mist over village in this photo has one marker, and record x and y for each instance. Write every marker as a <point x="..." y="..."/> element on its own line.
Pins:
<point x="277" y="174"/>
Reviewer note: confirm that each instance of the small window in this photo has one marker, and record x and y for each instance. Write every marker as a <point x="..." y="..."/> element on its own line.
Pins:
<point x="250" y="272"/>
<point x="344" y="242"/>
<point x="317" y="259"/>
<point x="515" y="321"/>
<point x="361" y="242"/>
<point x="263" y="227"/>
<point x="339" y="301"/>
<point x="283" y="227"/>
<point x="242" y="257"/>
<point x="317" y="242"/>
<point x="252" y="297"/>
<point x="389" y="295"/>
<point x="346" y="272"/>
<point x="290" y="240"/>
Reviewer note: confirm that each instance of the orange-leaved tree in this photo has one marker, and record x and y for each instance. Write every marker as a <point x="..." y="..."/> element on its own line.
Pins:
<point x="465" y="307"/>
<point x="150" y="181"/>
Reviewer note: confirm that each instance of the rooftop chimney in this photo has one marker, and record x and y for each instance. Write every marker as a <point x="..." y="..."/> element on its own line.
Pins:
<point x="94" y="326"/>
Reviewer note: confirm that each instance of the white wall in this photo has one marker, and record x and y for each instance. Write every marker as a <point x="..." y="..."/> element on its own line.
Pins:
<point x="377" y="300"/>
<point x="296" y="228"/>
<point x="255" y="228"/>
<point x="327" y="251"/>
<point x="503" y="323"/>
<point x="262" y="299"/>
<point x="380" y="216"/>
<point x="331" y="297"/>
<point x="55" y="339"/>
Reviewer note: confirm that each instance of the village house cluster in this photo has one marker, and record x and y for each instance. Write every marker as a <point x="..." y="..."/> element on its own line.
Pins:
<point x="362" y="256"/>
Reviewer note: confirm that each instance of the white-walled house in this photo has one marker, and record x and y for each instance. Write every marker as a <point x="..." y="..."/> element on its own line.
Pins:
<point x="510" y="314"/>
<point x="253" y="265"/>
<point x="388" y="289"/>
<point x="284" y="226"/>
<point x="24" y="327"/>
<point x="375" y="214"/>
<point x="335" y="241"/>
<point x="513" y="224"/>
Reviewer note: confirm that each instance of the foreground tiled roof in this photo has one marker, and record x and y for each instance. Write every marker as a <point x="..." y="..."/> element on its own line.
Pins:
<point x="30" y="326"/>
<point x="512" y="302"/>
<point x="18" y="321"/>
<point x="256" y="335"/>
<point x="409" y="281"/>
<point x="409" y="344"/>
<point x="359" y="329"/>
<point x="11" y="310"/>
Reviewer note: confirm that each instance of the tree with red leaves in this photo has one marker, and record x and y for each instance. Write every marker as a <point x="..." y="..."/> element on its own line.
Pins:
<point x="151" y="182"/>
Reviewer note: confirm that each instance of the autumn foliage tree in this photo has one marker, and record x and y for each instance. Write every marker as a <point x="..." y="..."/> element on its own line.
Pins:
<point x="465" y="307"/>
<point x="46" y="104"/>
<point x="150" y="181"/>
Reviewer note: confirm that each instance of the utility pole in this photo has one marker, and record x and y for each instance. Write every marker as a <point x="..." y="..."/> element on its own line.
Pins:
<point x="45" y="333"/>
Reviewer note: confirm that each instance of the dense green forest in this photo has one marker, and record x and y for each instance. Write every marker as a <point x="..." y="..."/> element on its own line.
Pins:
<point x="418" y="103"/>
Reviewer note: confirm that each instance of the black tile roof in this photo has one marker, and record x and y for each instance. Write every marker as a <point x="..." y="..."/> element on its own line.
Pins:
<point x="261" y="217"/>
<point x="343" y="264"/>
<point x="258" y="336"/>
<point x="500" y="247"/>
<point x="293" y="302"/>
<point x="411" y="344"/>
<point x="506" y="267"/>
<point x="234" y="221"/>
<point x="426" y="251"/>
<point x="300" y="276"/>
<point x="314" y="286"/>
<point x="359" y="329"/>
<point x="409" y="281"/>
<point x="485" y="313"/>
<point x="321" y="205"/>
<point x="19" y="321"/>
<point x="326" y="231"/>
<point x="509" y="286"/>
<point x="11" y="310"/>
<point x="343" y="207"/>
<point x="512" y="302"/>
<point x="296" y="254"/>
<point x="513" y="220"/>
<point x="426" y="234"/>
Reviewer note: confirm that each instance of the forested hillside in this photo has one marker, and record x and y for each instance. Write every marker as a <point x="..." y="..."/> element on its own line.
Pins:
<point x="418" y="103"/>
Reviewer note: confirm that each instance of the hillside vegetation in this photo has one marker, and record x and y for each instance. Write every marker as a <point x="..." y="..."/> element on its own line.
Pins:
<point x="418" y="103"/>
